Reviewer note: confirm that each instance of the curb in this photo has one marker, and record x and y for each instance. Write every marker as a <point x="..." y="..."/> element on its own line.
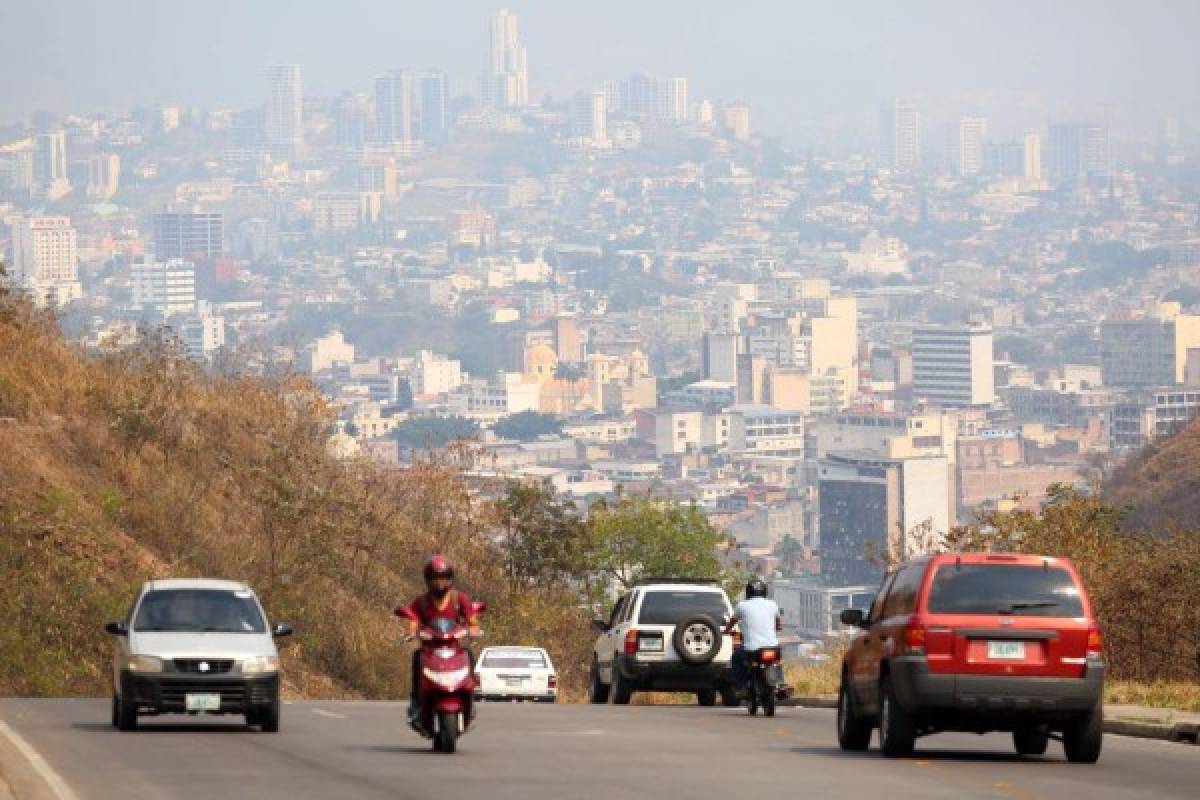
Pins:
<point x="1181" y="732"/>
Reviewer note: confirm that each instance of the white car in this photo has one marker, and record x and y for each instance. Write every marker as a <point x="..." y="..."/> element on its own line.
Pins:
<point x="665" y="635"/>
<point x="196" y="646"/>
<point x="516" y="673"/>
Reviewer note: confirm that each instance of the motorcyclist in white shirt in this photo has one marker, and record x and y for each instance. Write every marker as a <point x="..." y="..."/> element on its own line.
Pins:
<point x="760" y="621"/>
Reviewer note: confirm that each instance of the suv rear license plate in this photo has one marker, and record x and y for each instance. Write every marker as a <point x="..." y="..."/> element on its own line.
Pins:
<point x="514" y="681"/>
<point x="203" y="702"/>
<point x="1012" y="651"/>
<point x="650" y="644"/>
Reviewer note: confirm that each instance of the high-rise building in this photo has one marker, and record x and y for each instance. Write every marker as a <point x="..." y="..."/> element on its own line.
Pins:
<point x="506" y="79"/>
<point x="637" y="96"/>
<point x="704" y="113"/>
<point x="394" y="107"/>
<point x="44" y="258"/>
<point x="433" y="107"/>
<point x="50" y="181"/>
<point x="164" y="287"/>
<point x="952" y="365"/>
<point x="965" y="145"/>
<point x="285" y="109"/>
<point x="720" y="356"/>
<point x="737" y="122"/>
<point x="353" y="120"/>
<point x="1148" y="352"/>
<point x="589" y="116"/>
<point x="1033" y="157"/>
<point x="202" y="334"/>
<point x="871" y="508"/>
<point x="900" y="135"/>
<point x="104" y="176"/>
<point x="189" y="235"/>
<point x="1078" y="151"/>
<point x="671" y="100"/>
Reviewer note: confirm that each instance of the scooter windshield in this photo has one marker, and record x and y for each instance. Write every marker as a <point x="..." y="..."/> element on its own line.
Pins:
<point x="443" y="627"/>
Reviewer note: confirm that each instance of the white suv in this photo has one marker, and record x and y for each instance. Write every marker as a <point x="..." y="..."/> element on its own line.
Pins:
<point x="665" y="635"/>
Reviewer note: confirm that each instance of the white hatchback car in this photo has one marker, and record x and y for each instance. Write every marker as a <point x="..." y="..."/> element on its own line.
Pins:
<point x="196" y="646"/>
<point x="516" y="673"/>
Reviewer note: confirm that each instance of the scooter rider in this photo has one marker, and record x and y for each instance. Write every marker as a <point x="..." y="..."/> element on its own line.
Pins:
<point x="760" y="621"/>
<point x="441" y="600"/>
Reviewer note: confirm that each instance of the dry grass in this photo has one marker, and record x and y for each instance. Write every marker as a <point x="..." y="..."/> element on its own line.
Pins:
<point x="814" y="679"/>
<point x="1160" y="694"/>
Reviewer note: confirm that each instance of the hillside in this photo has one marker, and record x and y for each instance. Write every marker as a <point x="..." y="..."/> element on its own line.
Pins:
<point x="1161" y="485"/>
<point x="138" y="465"/>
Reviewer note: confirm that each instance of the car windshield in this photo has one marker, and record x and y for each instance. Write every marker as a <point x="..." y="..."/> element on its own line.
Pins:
<point x="199" y="610"/>
<point x="514" y="659"/>
<point x="673" y="607"/>
<point x="1029" y="591"/>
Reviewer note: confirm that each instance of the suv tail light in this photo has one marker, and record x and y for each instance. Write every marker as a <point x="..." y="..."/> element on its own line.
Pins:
<point x="552" y="682"/>
<point x="631" y="643"/>
<point x="1095" y="642"/>
<point x="914" y="639"/>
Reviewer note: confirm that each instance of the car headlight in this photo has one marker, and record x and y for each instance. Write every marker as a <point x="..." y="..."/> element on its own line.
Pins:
<point x="448" y="679"/>
<point x="145" y="664"/>
<point x="260" y="664"/>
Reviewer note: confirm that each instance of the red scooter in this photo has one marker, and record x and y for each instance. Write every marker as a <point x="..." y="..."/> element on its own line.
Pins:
<point x="446" y="692"/>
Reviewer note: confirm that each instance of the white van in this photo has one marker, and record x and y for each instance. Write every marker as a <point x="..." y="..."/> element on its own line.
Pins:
<point x="196" y="646"/>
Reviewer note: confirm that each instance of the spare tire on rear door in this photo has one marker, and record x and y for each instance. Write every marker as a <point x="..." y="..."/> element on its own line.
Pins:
<point x="697" y="639"/>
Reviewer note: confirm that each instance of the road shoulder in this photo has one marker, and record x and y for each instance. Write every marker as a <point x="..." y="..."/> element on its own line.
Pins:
<point x="25" y="773"/>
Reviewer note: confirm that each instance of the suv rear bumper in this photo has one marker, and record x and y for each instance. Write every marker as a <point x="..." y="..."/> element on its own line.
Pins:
<point x="674" y="675"/>
<point x="166" y="692"/>
<point x="920" y="692"/>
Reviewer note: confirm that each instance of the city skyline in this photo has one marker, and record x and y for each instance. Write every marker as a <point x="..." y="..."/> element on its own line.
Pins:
<point x="1068" y="65"/>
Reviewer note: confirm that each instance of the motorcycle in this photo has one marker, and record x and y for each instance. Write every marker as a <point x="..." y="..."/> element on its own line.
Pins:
<point x="446" y="690"/>
<point x="766" y="683"/>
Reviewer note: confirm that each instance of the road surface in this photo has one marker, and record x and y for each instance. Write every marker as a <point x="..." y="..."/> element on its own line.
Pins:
<point x="527" y="752"/>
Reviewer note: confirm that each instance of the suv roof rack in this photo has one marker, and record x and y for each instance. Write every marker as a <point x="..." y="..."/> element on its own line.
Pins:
<point x="650" y="580"/>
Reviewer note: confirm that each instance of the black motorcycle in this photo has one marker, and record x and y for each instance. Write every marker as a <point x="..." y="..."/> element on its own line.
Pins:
<point x="766" y="683"/>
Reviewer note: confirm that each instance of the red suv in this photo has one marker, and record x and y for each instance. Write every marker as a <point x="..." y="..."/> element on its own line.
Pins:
<point x="975" y="642"/>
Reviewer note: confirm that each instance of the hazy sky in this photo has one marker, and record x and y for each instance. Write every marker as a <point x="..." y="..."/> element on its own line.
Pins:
<point x="797" y="63"/>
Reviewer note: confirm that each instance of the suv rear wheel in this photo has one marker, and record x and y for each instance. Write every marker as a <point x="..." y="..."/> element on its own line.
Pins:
<point x="621" y="690"/>
<point x="1030" y="741"/>
<point x="896" y="733"/>
<point x="1083" y="738"/>
<point x="854" y="733"/>
<point x="598" y="692"/>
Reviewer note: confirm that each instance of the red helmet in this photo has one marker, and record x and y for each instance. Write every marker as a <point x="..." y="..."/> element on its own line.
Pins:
<point x="438" y="566"/>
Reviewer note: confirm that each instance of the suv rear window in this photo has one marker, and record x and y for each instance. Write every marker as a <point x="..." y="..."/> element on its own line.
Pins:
<point x="199" y="610"/>
<point x="1029" y="591"/>
<point x="514" y="659"/>
<point x="673" y="607"/>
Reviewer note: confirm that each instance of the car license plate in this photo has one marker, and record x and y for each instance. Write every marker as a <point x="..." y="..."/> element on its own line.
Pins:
<point x="650" y="644"/>
<point x="203" y="702"/>
<point x="1013" y="651"/>
<point x="514" y="681"/>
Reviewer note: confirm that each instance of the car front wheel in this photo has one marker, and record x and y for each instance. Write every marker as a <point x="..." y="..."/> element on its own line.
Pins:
<point x="854" y="733"/>
<point x="124" y="714"/>
<point x="1030" y="741"/>
<point x="598" y="692"/>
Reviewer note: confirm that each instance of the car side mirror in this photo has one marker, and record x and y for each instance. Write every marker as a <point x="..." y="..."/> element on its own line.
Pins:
<point x="116" y="628"/>
<point x="599" y="625"/>
<point x="853" y="617"/>
<point x="282" y="629"/>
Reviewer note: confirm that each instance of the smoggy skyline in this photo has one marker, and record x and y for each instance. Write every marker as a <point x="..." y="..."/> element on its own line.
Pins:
<point x="799" y="67"/>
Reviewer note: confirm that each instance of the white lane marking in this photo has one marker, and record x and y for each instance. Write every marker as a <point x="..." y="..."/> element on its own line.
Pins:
<point x="570" y="733"/>
<point x="329" y="714"/>
<point x="40" y="765"/>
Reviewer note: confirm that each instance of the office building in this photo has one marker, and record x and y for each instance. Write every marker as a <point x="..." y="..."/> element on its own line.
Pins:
<point x="952" y="366"/>
<point x="870" y="508"/>
<point x="163" y="287"/>
<point x="900" y="135"/>
<point x="1078" y="151"/>
<point x="394" y="108"/>
<point x="671" y="101"/>
<point x="50" y="180"/>
<point x="104" y="176"/>
<point x="589" y="117"/>
<point x="45" y="259"/>
<point x="1150" y="351"/>
<point x="506" y="78"/>
<point x="285" y="109"/>
<point x="737" y="122"/>
<point x="965" y="145"/>
<point x="353" y="120"/>
<point x="1033" y="157"/>
<point x="433" y="107"/>
<point x="189" y="235"/>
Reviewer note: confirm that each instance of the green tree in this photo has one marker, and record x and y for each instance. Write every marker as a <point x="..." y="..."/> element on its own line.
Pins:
<point x="638" y="536"/>
<point x="527" y="425"/>
<point x="544" y="536"/>
<point x="434" y="432"/>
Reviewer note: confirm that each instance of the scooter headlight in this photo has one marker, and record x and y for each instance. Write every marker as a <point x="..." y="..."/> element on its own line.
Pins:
<point x="447" y="679"/>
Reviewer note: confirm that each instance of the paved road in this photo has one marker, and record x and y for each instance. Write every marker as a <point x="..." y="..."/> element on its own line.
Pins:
<point x="363" y="750"/>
